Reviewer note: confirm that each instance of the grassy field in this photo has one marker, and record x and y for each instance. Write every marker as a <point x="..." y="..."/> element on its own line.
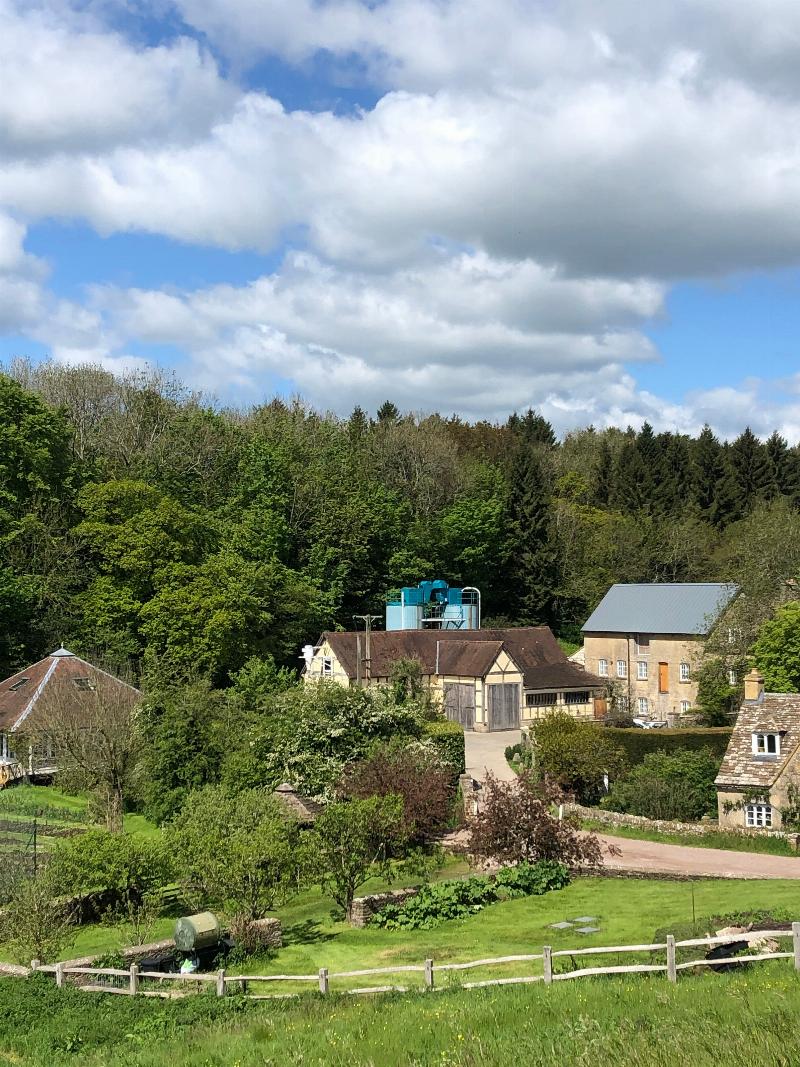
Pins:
<point x="774" y="846"/>
<point x="712" y="1020"/>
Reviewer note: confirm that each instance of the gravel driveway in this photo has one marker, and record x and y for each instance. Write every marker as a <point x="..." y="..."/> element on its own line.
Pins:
<point x="683" y="859"/>
<point x="486" y="752"/>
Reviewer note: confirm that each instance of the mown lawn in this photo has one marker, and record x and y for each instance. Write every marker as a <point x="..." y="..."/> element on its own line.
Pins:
<point x="709" y="1020"/>
<point x="774" y="846"/>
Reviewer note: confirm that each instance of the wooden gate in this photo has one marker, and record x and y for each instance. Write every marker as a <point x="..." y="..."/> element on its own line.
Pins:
<point x="459" y="703"/>
<point x="503" y="706"/>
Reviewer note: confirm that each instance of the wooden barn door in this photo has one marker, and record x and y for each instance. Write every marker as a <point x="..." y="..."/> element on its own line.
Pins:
<point x="459" y="703"/>
<point x="503" y="706"/>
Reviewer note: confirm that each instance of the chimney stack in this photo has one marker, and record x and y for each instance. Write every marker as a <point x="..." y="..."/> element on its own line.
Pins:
<point x="753" y="686"/>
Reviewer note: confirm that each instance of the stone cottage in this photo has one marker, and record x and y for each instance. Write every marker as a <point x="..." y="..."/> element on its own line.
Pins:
<point x="761" y="767"/>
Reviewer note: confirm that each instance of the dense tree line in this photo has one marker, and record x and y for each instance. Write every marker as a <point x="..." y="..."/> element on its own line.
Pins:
<point x="140" y="524"/>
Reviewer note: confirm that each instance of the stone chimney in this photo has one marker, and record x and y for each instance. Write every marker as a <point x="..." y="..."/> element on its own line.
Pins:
<point x="753" y="686"/>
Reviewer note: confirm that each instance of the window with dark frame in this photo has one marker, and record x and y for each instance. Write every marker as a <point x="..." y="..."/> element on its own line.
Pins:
<point x="541" y="700"/>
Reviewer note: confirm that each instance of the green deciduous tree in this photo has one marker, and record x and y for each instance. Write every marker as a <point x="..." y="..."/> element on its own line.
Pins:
<point x="777" y="650"/>
<point x="352" y="841"/>
<point x="238" y="851"/>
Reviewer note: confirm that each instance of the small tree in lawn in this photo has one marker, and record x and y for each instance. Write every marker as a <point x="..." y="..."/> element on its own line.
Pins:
<point x="239" y="851"/>
<point x="35" y="924"/>
<point x="352" y="841"/>
<point x="516" y="824"/>
<point x="96" y="743"/>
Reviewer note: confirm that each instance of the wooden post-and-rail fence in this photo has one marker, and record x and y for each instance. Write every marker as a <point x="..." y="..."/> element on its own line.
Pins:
<point x="112" y="980"/>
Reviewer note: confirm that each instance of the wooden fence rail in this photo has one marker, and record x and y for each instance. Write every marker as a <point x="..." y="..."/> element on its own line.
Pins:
<point x="128" y="981"/>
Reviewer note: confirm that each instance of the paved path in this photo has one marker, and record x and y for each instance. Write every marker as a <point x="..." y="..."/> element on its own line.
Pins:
<point x="683" y="859"/>
<point x="487" y="752"/>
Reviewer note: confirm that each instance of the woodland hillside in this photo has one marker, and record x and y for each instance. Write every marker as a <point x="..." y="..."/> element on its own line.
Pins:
<point x="142" y="525"/>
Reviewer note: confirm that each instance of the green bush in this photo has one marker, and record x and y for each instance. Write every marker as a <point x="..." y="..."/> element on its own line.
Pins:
<point x="668" y="785"/>
<point x="456" y="899"/>
<point x="448" y="738"/>
<point x="637" y="742"/>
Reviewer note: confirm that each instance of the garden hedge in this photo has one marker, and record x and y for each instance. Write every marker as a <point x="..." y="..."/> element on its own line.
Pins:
<point x="637" y="742"/>
<point x="448" y="737"/>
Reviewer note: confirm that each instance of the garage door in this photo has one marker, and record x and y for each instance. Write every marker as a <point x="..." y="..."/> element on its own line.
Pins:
<point x="459" y="703"/>
<point x="503" y="706"/>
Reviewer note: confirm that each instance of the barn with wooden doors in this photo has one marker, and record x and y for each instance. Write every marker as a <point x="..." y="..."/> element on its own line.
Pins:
<point x="486" y="679"/>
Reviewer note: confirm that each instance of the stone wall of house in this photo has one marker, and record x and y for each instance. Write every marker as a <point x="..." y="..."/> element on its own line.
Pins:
<point x="668" y="826"/>
<point x="365" y="907"/>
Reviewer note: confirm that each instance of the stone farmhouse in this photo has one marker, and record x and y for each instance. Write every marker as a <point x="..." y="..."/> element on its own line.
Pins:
<point x="762" y="762"/>
<point x="647" y="640"/>
<point x="495" y="679"/>
<point x="61" y="683"/>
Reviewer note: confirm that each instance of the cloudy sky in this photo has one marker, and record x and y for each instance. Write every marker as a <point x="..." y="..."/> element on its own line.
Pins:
<point x="462" y="205"/>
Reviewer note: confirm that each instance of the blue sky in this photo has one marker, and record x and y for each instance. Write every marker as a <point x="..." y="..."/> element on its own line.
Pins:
<point x="467" y="206"/>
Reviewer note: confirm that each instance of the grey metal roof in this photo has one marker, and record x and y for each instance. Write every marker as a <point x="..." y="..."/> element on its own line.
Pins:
<point x="656" y="608"/>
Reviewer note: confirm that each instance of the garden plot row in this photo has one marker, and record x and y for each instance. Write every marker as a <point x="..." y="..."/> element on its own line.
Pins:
<point x="438" y="976"/>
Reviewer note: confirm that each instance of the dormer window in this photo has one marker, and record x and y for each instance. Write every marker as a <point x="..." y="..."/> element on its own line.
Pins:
<point x="18" y="685"/>
<point x="767" y="745"/>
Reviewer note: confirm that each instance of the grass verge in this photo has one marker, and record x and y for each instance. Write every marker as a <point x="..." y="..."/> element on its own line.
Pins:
<point x="710" y="1020"/>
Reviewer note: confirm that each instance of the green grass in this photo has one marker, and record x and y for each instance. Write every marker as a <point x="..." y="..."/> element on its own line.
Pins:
<point x="712" y="1020"/>
<point x="774" y="846"/>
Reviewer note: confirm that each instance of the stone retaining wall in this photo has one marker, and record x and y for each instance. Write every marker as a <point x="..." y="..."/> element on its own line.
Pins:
<point x="365" y="907"/>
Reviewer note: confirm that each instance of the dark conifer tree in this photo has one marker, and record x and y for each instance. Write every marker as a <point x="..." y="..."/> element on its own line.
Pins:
<point x="388" y="412"/>
<point x="604" y="476"/>
<point x="632" y="480"/>
<point x="783" y="469"/>
<point x="535" y="429"/>
<point x="532" y="556"/>
<point x="751" y="468"/>
<point x="708" y="469"/>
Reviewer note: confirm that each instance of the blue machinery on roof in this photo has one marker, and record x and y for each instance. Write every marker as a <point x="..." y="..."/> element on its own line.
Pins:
<point x="434" y="606"/>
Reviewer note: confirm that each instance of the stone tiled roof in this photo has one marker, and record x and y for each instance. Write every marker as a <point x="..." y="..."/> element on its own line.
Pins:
<point x="533" y="649"/>
<point x="776" y="713"/>
<point x="56" y="679"/>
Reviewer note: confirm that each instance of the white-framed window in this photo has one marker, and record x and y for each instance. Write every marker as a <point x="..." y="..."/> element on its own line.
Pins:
<point x="643" y="704"/>
<point x="327" y="666"/>
<point x="766" y="744"/>
<point x="540" y="700"/>
<point x="622" y="704"/>
<point x="732" y="680"/>
<point x="602" y="668"/>
<point x="622" y="669"/>
<point x="685" y="706"/>
<point x="641" y="670"/>
<point x="758" y="815"/>
<point x="686" y="672"/>
<point x="642" y="645"/>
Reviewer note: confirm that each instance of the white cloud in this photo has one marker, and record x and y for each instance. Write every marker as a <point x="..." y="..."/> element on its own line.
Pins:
<point x="67" y="85"/>
<point x="497" y="231"/>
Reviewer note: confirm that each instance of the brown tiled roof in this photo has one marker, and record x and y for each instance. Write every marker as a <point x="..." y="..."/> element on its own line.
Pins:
<point x="777" y="713"/>
<point x="26" y="695"/>
<point x="533" y="648"/>
<point x="304" y="809"/>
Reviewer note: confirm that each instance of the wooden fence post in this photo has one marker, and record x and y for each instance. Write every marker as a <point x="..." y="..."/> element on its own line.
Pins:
<point x="796" y="945"/>
<point x="672" y="972"/>
<point x="547" y="964"/>
<point x="134" y="979"/>
<point x="60" y="975"/>
<point x="429" y="974"/>
<point x="220" y="983"/>
<point x="323" y="980"/>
